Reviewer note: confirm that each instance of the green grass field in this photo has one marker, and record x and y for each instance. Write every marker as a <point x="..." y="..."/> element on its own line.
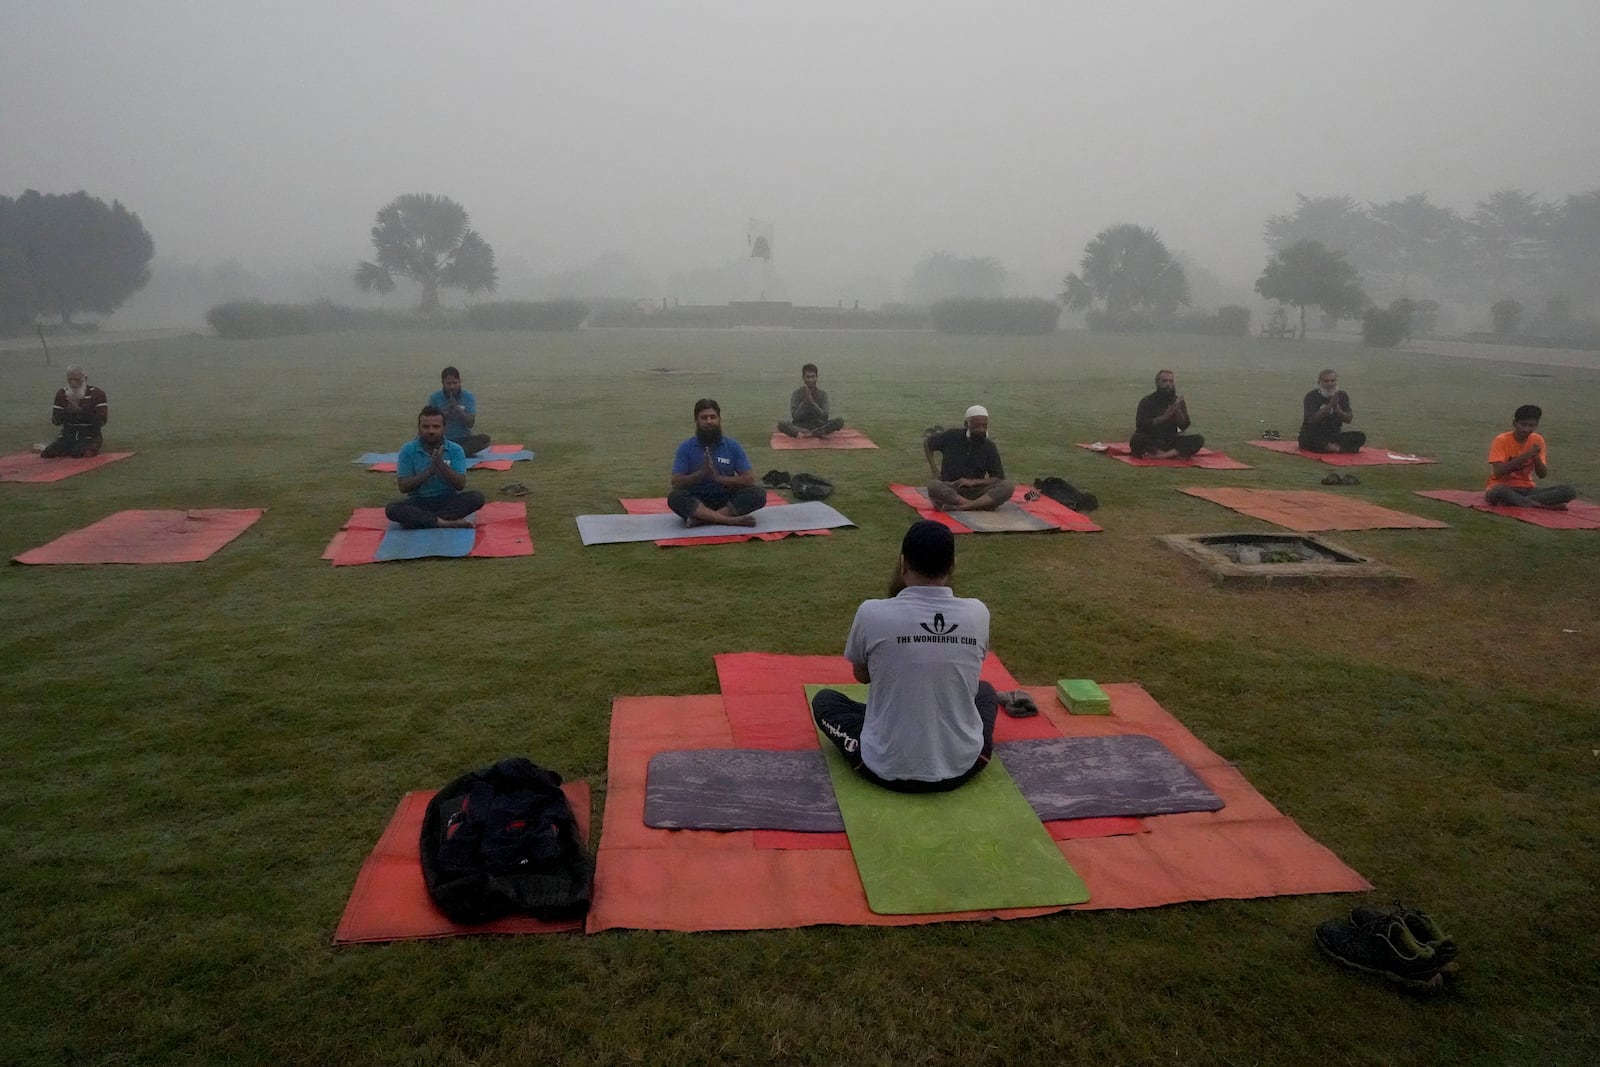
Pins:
<point x="198" y="757"/>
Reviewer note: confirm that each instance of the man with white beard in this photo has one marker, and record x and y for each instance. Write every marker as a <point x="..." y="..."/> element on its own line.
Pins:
<point x="80" y="410"/>
<point x="1327" y="411"/>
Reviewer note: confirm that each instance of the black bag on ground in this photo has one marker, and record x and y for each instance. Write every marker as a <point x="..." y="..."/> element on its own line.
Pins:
<point x="1064" y="492"/>
<point x="810" y="487"/>
<point x="504" y="840"/>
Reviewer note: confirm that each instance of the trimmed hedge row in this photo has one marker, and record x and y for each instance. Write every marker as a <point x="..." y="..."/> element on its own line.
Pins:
<point x="528" y="315"/>
<point x="243" y="319"/>
<point x="1027" y="315"/>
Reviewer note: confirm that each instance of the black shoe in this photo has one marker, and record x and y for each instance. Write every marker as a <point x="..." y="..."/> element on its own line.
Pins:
<point x="1421" y="926"/>
<point x="775" y="479"/>
<point x="1333" y="479"/>
<point x="1349" y="479"/>
<point x="1271" y="435"/>
<point x="1383" y="946"/>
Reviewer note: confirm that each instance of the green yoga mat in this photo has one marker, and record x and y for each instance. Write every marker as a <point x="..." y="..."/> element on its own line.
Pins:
<point x="975" y="848"/>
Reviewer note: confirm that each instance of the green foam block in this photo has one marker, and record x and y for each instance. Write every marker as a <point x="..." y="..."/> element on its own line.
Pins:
<point x="975" y="848"/>
<point x="1082" y="697"/>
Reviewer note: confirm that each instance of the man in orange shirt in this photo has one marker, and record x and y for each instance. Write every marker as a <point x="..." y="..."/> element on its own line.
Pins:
<point x="1516" y="459"/>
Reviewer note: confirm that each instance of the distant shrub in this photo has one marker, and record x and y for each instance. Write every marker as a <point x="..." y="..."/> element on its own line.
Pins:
<point x="1386" y="327"/>
<point x="528" y="315"/>
<point x="1507" y="315"/>
<point x="241" y="319"/>
<point x="1030" y="315"/>
<point x="1233" y="320"/>
<point x="907" y="317"/>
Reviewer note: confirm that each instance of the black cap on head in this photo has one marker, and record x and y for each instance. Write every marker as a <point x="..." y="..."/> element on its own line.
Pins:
<point x="1528" y="411"/>
<point x="706" y="402"/>
<point x="929" y="548"/>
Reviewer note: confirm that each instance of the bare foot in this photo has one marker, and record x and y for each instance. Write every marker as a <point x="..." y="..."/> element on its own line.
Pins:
<point x="1549" y="507"/>
<point x="455" y="524"/>
<point x="1165" y="453"/>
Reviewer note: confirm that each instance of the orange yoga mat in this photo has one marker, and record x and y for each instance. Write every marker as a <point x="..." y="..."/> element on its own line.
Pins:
<point x="1307" y="510"/>
<point x="28" y="467"/>
<point x="502" y="531"/>
<point x="704" y="880"/>
<point x="841" y="439"/>
<point x="1205" y="459"/>
<point x="148" y="537"/>
<point x="657" y="505"/>
<point x="1052" y="511"/>
<point x="390" y="901"/>
<point x="1369" y="456"/>
<point x="1578" y="514"/>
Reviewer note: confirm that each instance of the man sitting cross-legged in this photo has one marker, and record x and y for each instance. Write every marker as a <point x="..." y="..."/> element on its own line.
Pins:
<point x="433" y="473"/>
<point x="460" y="409"/>
<point x="80" y="410"/>
<point x="969" y="476"/>
<point x="808" y="409"/>
<point x="1518" y="457"/>
<point x="712" y="480"/>
<point x="928" y="723"/>
<point x="1160" y="420"/>
<point x="1327" y="412"/>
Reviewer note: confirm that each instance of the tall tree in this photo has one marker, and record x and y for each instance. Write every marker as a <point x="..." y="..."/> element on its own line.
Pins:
<point x="1417" y="239"/>
<point x="428" y="239"/>
<point x="942" y="276"/>
<point x="1308" y="273"/>
<point x="76" y="253"/>
<point x="1575" y="239"/>
<point x="1336" y="221"/>
<point x="1129" y="269"/>
<point x="1510" y="239"/>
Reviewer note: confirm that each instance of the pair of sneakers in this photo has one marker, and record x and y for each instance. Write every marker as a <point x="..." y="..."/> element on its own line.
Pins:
<point x="1341" y="479"/>
<point x="1402" y="944"/>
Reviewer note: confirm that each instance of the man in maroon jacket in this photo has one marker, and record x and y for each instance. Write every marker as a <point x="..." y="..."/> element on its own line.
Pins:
<point x="80" y="410"/>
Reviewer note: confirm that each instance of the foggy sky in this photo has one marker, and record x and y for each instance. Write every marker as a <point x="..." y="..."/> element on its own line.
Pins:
<point x="869" y="132"/>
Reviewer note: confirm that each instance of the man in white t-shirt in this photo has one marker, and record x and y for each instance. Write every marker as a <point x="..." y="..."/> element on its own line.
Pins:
<point x="928" y="723"/>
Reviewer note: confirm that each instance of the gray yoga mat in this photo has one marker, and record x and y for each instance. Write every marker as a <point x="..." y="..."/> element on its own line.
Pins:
<point x="1061" y="777"/>
<point x="1007" y="518"/>
<point x="619" y="529"/>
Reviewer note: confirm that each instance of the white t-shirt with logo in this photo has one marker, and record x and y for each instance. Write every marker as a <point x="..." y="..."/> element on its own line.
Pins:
<point x="924" y="649"/>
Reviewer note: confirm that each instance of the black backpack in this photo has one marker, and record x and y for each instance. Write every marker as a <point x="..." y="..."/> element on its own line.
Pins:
<point x="810" y="487"/>
<point x="504" y="840"/>
<point x="1064" y="492"/>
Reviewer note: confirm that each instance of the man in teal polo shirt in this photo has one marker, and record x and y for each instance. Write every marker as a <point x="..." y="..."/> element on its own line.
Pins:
<point x="460" y="410"/>
<point x="432" y="472"/>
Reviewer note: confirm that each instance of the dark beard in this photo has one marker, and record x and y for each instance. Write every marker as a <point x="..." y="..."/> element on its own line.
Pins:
<point x="707" y="436"/>
<point x="978" y="435"/>
<point x="1167" y="394"/>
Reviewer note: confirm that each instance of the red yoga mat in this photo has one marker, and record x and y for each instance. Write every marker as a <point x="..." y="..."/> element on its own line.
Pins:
<point x="1369" y="456"/>
<point x="482" y="464"/>
<point x="390" y="901"/>
<point x="1579" y="514"/>
<point x="1204" y="459"/>
<point x="502" y="531"/>
<point x="1054" y="512"/>
<point x="840" y="439"/>
<point x="148" y="537"/>
<point x="29" y="467"/>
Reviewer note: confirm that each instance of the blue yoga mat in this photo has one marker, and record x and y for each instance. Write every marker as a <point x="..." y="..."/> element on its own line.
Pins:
<point x="420" y="544"/>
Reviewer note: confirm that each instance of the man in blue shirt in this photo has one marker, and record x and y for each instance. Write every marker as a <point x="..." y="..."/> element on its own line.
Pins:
<point x="460" y="410"/>
<point x="433" y="473"/>
<point x="713" y="483"/>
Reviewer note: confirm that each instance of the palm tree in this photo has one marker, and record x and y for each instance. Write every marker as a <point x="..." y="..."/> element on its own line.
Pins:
<point x="1129" y="268"/>
<point x="428" y="239"/>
